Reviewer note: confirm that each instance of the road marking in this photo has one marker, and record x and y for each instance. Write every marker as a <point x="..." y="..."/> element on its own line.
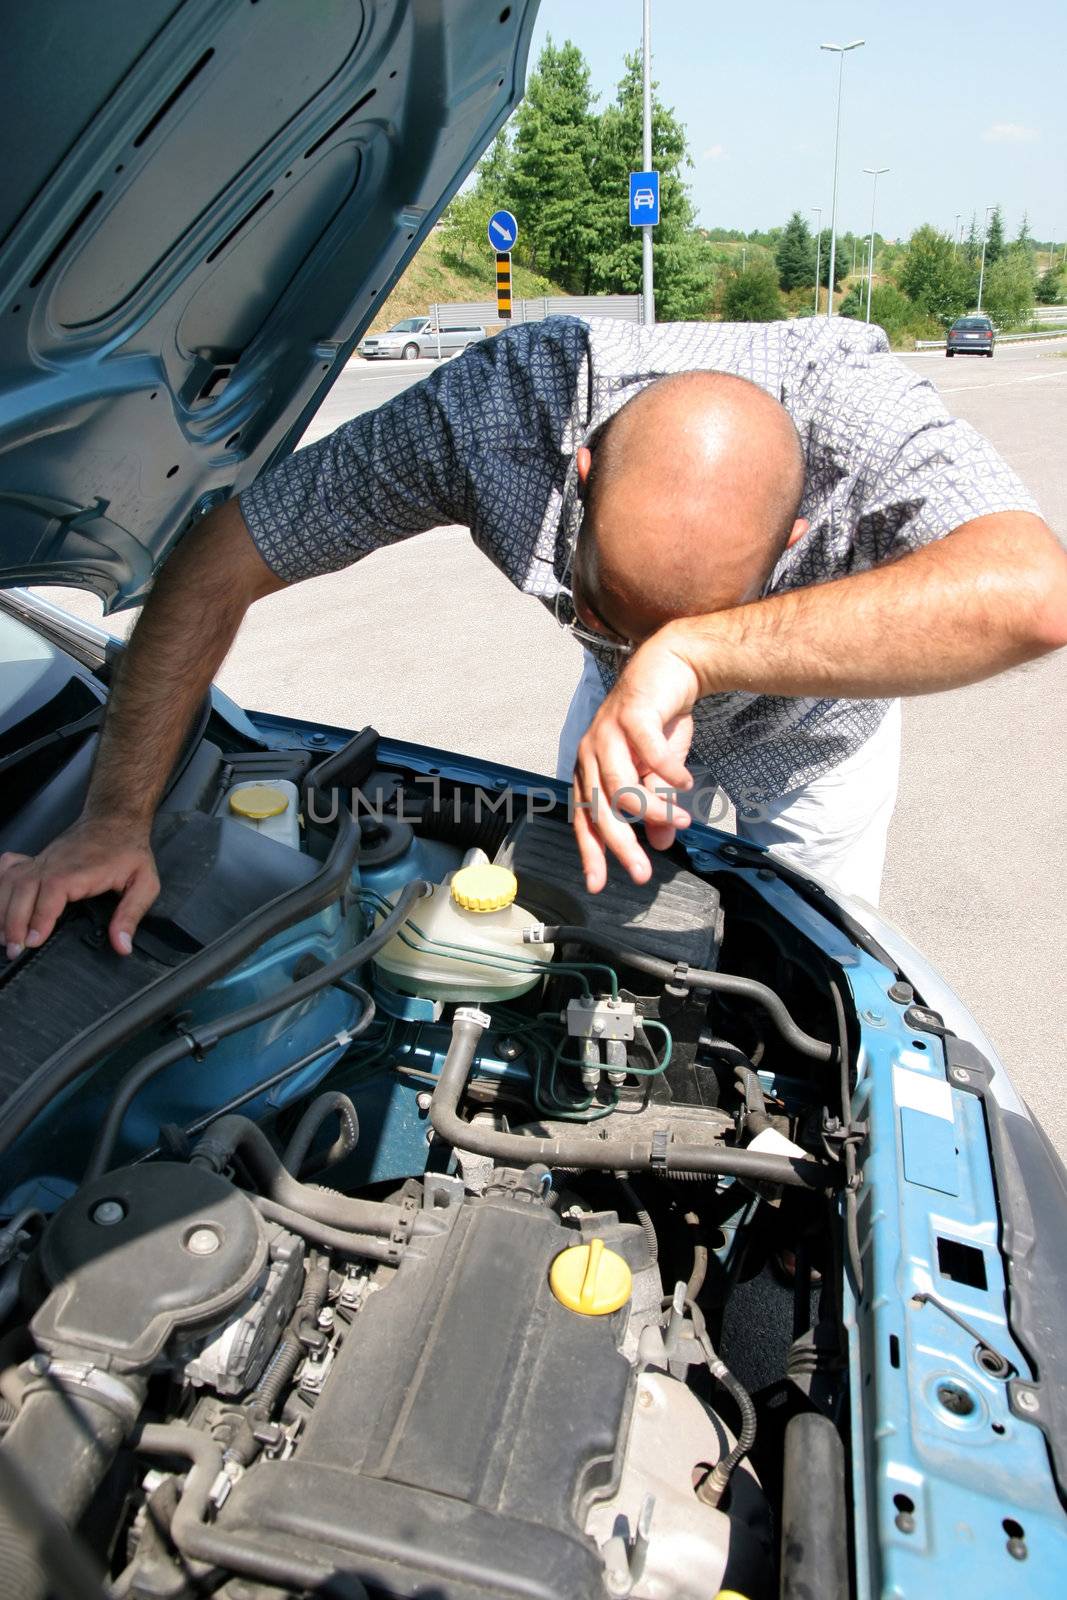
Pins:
<point x="1000" y="383"/>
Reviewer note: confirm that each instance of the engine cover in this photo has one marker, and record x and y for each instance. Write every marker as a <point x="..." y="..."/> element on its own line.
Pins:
<point x="468" y="1423"/>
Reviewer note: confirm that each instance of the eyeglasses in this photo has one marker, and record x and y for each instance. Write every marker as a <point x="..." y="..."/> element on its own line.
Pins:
<point x="568" y="618"/>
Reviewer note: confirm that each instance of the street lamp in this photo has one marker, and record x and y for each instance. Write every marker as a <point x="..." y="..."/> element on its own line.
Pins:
<point x="818" y="253"/>
<point x="956" y="234"/>
<point x="981" y="272"/>
<point x="842" y="50"/>
<point x="875" y="173"/>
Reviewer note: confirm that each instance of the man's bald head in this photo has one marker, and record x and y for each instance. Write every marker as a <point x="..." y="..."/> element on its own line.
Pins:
<point x="691" y="495"/>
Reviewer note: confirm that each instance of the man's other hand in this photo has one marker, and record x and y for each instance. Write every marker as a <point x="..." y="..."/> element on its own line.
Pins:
<point x="93" y="857"/>
<point x="633" y="751"/>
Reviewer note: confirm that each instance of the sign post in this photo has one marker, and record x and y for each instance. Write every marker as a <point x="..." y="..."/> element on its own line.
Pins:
<point x="503" y="232"/>
<point x="649" y="305"/>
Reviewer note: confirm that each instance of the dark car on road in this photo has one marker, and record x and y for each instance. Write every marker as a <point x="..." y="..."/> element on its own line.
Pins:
<point x="974" y="336"/>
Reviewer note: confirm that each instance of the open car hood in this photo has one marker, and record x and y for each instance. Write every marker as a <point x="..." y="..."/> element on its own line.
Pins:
<point x="204" y="207"/>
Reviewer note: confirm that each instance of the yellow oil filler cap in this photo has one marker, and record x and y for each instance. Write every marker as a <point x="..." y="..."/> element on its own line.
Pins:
<point x="484" y="888"/>
<point x="258" y="801"/>
<point x="591" y="1279"/>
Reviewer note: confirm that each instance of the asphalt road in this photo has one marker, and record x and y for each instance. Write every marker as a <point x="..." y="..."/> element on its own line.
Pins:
<point x="430" y="643"/>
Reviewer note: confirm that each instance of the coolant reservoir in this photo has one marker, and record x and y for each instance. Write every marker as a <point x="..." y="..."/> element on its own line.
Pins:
<point x="270" y="808"/>
<point x="464" y="941"/>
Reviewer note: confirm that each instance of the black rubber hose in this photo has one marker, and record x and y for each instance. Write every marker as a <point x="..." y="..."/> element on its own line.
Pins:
<point x="39" y="1555"/>
<point x="368" y="1246"/>
<point x="699" y="1270"/>
<point x="814" y="1511"/>
<point x="204" y="1038"/>
<point x="588" y="1154"/>
<point x="687" y="977"/>
<point x="240" y="1135"/>
<point x="713" y="1487"/>
<point x="332" y="1103"/>
<point x="644" y="1217"/>
<point x="205" y="1547"/>
<point x="65" y="1438"/>
<point x="278" y="1374"/>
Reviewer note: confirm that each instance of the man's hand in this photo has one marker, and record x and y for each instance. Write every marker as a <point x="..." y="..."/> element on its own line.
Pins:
<point x="188" y="624"/>
<point x="633" y="751"/>
<point x="93" y="857"/>
<point x="986" y="597"/>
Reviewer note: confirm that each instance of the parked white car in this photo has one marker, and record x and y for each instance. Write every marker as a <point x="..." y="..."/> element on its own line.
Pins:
<point x="418" y="336"/>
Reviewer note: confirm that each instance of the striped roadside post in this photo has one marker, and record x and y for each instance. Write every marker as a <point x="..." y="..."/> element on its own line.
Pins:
<point x="503" y="231"/>
<point x="503" y="285"/>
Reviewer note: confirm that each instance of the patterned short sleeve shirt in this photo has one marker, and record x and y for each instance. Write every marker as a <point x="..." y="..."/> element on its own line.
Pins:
<point x="489" y="441"/>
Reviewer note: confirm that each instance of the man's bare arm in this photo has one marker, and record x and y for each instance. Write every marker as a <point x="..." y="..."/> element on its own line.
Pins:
<point x="188" y="624"/>
<point x="987" y="597"/>
<point x="984" y="598"/>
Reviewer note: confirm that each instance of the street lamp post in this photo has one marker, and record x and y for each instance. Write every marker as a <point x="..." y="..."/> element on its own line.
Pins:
<point x="981" y="270"/>
<point x="956" y="234"/>
<point x="647" y="296"/>
<point x="842" y="50"/>
<point x="875" y="173"/>
<point x="818" y="254"/>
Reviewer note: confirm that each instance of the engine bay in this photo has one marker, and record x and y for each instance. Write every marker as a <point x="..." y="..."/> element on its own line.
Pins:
<point x="404" y="1220"/>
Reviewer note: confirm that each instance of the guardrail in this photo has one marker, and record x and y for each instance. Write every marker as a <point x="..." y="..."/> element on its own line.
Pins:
<point x="623" y="307"/>
<point x="1002" y="338"/>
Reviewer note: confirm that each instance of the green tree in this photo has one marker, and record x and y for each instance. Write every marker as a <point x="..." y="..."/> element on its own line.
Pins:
<point x="1050" y="287"/>
<point x="994" y="239"/>
<point x="937" y="281"/>
<point x="1009" y="289"/>
<point x="549" y="174"/>
<point x="842" y="260"/>
<point x="890" y="309"/>
<point x="752" y="296"/>
<point x="1022" y="241"/>
<point x="972" y="248"/>
<point x="795" y="255"/>
<point x="466" y="217"/>
<point x="683" y="263"/>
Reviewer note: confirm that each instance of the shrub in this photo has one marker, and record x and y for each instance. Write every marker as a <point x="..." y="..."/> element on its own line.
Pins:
<point x="753" y="296"/>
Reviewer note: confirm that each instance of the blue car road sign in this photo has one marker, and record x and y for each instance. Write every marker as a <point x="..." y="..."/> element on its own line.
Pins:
<point x="644" y="199"/>
<point x="503" y="230"/>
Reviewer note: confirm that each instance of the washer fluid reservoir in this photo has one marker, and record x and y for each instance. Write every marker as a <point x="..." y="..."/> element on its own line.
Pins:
<point x="464" y="941"/>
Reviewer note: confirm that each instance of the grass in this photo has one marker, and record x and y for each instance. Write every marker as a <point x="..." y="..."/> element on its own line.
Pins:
<point x="437" y="276"/>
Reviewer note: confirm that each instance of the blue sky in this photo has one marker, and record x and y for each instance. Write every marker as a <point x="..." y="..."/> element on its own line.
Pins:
<point x="963" y="102"/>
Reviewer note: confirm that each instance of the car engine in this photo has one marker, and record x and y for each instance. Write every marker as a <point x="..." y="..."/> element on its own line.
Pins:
<point x="457" y="1234"/>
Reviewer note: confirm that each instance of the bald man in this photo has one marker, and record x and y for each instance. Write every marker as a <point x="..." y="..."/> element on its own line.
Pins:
<point x="763" y="535"/>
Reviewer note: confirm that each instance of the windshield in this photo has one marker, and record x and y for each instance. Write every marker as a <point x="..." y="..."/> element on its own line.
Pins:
<point x="409" y="325"/>
<point x="971" y="322"/>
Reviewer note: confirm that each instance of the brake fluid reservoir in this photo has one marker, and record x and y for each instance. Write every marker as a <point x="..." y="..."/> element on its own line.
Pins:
<point x="464" y="941"/>
<point x="270" y="808"/>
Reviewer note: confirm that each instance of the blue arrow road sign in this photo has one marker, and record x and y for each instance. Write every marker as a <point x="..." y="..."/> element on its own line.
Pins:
<point x="503" y="230"/>
<point x="644" y="199"/>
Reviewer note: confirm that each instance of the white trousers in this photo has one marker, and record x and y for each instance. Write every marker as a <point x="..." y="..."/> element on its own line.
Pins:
<point x="835" y="826"/>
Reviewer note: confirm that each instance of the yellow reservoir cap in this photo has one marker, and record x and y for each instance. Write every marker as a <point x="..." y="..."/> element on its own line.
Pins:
<point x="484" y="888"/>
<point x="258" y="801"/>
<point x="591" y="1279"/>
